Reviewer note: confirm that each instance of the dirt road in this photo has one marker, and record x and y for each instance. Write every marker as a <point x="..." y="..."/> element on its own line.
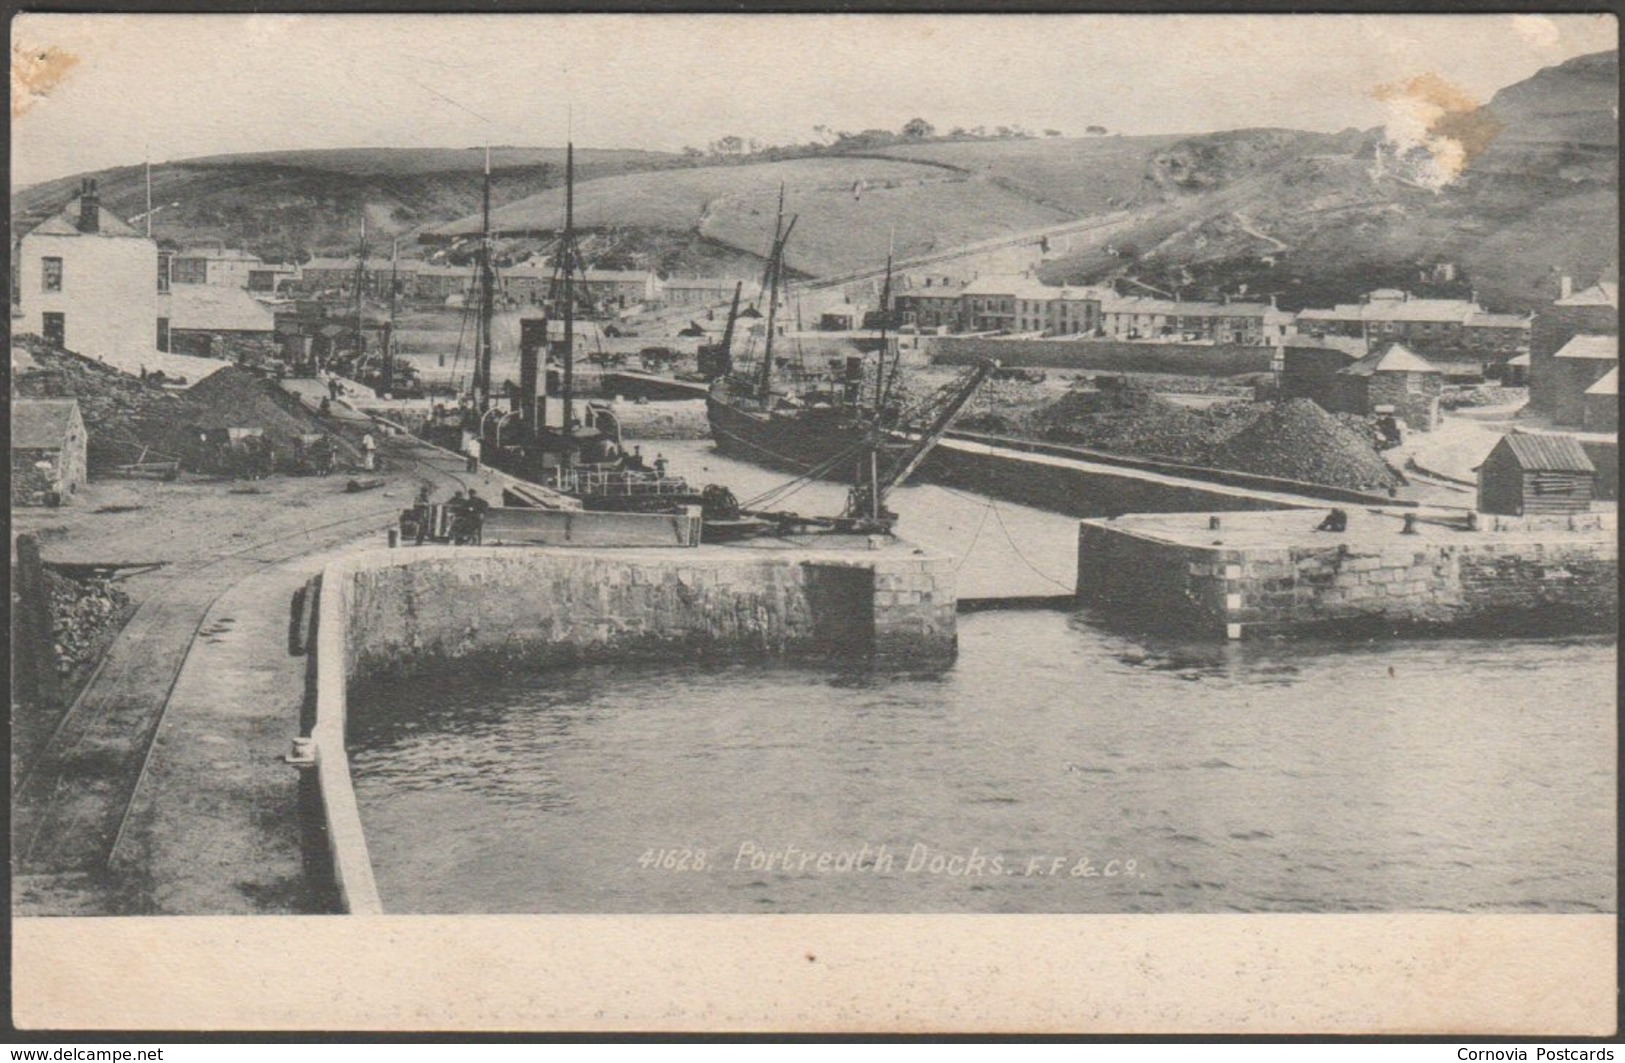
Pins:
<point x="71" y="801"/>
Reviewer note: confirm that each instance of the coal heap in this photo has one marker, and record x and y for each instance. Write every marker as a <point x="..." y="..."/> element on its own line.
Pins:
<point x="1135" y="422"/>
<point x="1297" y="440"/>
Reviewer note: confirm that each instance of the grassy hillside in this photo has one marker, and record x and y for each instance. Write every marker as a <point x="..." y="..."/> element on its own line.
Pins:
<point x="734" y="205"/>
<point x="836" y="233"/>
<point x="399" y="162"/>
<point x="280" y="204"/>
<point x="1079" y="175"/>
<point x="1316" y="218"/>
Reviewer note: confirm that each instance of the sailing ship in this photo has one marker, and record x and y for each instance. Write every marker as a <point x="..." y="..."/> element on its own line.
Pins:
<point x="840" y="430"/>
<point x="879" y="441"/>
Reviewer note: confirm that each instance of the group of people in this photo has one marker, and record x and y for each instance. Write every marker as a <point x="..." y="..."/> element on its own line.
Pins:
<point x="466" y="514"/>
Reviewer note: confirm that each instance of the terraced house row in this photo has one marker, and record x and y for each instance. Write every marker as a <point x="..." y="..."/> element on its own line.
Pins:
<point x="1021" y="303"/>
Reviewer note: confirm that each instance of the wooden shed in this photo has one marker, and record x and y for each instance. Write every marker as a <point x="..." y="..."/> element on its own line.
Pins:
<point x="1530" y="474"/>
<point x="48" y="450"/>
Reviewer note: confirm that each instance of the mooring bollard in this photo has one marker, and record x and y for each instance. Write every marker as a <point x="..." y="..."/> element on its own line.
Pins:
<point x="394" y="538"/>
<point x="303" y="754"/>
<point x="1214" y="524"/>
<point x="1410" y="525"/>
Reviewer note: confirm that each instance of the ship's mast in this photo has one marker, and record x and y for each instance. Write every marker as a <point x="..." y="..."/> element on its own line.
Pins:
<point x="389" y="329"/>
<point x="482" y="370"/>
<point x="764" y="380"/>
<point x="880" y="358"/>
<point x="360" y="285"/>
<point x="567" y="249"/>
<point x="728" y="329"/>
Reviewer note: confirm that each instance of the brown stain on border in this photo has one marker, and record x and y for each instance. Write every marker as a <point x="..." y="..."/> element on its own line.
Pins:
<point x="35" y="72"/>
<point x="1460" y="117"/>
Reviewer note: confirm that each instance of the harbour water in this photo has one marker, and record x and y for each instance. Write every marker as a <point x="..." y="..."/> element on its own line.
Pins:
<point x="1059" y="766"/>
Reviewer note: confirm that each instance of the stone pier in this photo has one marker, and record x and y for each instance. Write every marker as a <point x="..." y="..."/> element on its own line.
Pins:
<point x="1271" y="572"/>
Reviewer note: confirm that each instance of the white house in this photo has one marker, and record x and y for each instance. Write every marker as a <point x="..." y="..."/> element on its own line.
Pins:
<point x="88" y="282"/>
<point x="223" y="266"/>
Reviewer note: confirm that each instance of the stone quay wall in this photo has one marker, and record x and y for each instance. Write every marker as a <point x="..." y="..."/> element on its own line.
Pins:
<point x="1105" y="356"/>
<point x="1079" y="488"/>
<point x="1566" y="583"/>
<point x="396" y="612"/>
<point x="545" y="609"/>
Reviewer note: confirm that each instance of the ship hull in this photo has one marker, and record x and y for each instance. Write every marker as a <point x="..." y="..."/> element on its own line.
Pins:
<point x="796" y="442"/>
<point x="799" y="440"/>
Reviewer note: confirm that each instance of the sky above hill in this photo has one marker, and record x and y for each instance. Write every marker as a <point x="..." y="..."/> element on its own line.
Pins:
<point x="92" y="91"/>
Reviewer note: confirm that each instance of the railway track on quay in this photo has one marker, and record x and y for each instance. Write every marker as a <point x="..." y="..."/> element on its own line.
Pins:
<point x="72" y="802"/>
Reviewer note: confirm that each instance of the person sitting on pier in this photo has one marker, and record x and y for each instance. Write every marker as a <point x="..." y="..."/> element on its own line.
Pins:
<point x="477" y="508"/>
<point x="422" y="514"/>
<point x="1336" y="521"/>
<point x="457" y="511"/>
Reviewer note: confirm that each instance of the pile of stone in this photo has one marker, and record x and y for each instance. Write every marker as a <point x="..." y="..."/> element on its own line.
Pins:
<point x="241" y="398"/>
<point x="82" y="611"/>
<point x="126" y="415"/>
<point x="122" y="413"/>
<point x="1136" y="422"/>
<point x="1297" y="440"/>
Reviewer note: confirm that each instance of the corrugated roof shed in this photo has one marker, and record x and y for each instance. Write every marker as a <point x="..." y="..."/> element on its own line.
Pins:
<point x="40" y="424"/>
<point x="1602" y="348"/>
<point x="1548" y="453"/>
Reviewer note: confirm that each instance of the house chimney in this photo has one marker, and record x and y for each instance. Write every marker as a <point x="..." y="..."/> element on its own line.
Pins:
<point x="89" y="207"/>
<point x="1565" y="286"/>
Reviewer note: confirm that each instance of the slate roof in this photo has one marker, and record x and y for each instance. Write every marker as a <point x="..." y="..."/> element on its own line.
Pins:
<point x="1396" y="359"/>
<point x="1447" y="310"/>
<point x="1602" y="293"/>
<point x="1483" y="319"/>
<point x="40" y="424"/>
<point x="216" y="254"/>
<point x="1600" y="348"/>
<point x="702" y="283"/>
<point x="212" y="308"/>
<point x="66" y="223"/>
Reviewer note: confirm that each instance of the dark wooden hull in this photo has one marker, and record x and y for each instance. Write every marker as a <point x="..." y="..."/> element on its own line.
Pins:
<point x="797" y="441"/>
